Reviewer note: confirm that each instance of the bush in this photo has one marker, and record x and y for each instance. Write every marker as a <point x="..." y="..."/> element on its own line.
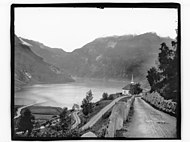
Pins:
<point x="106" y="115"/>
<point x="104" y="96"/>
<point x="159" y="102"/>
<point x="26" y="122"/>
<point x="110" y="97"/>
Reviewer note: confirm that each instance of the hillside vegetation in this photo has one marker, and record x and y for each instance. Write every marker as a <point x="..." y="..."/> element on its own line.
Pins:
<point x="30" y="68"/>
<point x="115" y="57"/>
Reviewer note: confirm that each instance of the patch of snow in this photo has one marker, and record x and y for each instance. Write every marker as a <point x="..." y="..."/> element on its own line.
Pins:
<point x="24" y="42"/>
<point x="28" y="75"/>
<point x="54" y="69"/>
<point x="111" y="44"/>
<point x="42" y="127"/>
<point x="98" y="58"/>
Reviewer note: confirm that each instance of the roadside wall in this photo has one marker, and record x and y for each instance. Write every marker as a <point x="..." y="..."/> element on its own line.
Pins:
<point x="159" y="102"/>
<point x="118" y="116"/>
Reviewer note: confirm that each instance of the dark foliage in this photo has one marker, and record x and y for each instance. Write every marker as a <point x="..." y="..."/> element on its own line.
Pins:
<point x="135" y="89"/>
<point x="26" y="122"/>
<point x="164" y="78"/>
<point x="86" y="103"/>
<point x="153" y="77"/>
<point x="104" y="96"/>
<point x="106" y="115"/>
<point x="65" y="120"/>
<point x="111" y="97"/>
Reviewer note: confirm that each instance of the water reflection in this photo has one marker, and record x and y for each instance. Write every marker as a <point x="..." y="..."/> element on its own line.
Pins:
<point x="66" y="94"/>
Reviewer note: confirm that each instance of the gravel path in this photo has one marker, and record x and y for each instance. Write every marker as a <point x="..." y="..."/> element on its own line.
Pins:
<point x="148" y="122"/>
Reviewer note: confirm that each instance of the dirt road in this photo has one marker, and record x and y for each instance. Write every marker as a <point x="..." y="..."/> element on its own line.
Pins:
<point x="77" y="119"/>
<point x="149" y="123"/>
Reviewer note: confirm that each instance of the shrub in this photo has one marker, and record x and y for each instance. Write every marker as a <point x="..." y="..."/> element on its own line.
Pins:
<point x="106" y="115"/>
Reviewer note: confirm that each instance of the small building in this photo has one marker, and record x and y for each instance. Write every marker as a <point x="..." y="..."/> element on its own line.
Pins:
<point x="126" y="89"/>
<point x="76" y="107"/>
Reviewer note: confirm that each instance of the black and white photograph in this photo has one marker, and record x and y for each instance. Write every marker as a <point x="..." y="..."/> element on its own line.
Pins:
<point x="95" y="71"/>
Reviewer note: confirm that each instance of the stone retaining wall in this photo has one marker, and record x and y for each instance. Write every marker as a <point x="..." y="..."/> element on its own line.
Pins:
<point x="118" y="116"/>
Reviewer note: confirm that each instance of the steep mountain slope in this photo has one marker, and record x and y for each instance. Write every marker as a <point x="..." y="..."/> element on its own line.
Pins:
<point x="50" y="55"/>
<point x="30" y="68"/>
<point x="115" y="57"/>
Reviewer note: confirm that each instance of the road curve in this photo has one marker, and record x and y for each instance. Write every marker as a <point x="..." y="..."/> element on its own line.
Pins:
<point x="77" y="119"/>
<point x="20" y="109"/>
<point x="94" y="119"/>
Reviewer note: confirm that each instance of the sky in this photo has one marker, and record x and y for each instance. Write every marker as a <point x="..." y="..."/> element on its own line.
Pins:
<point x="71" y="28"/>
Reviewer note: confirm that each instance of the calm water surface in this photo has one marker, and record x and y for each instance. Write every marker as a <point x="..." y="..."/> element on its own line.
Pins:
<point x="65" y="95"/>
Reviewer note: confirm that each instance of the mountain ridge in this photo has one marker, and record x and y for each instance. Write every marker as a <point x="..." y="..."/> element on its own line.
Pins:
<point x="31" y="68"/>
<point x="114" y="57"/>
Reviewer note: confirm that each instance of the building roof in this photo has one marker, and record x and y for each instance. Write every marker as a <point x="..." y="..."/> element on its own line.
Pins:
<point x="127" y="87"/>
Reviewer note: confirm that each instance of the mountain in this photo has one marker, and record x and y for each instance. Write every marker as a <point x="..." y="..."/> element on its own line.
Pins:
<point x="50" y="55"/>
<point x="114" y="57"/>
<point x="31" y="68"/>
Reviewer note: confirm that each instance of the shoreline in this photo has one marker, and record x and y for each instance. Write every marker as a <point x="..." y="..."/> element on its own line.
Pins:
<point x="36" y="110"/>
<point x="90" y="83"/>
<point x="102" y="79"/>
<point x="75" y="81"/>
<point x="19" y="110"/>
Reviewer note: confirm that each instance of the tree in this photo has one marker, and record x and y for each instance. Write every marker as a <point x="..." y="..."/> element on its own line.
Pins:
<point x="86" y="103"/>
<point x="26" y="122"/>
<point x="138" y="88"/>
<point x="165" y="79"/>
<point x="89" y="96"/>
<point x="153" y="77"/>
<point x="65" y="119"/>
<point x="135" y="89"/>
<point x="110" y="97"/>
<point x="104" y="96"/>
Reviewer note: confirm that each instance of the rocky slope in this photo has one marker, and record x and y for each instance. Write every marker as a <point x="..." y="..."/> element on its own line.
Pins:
<point x="115" y="57"/>
<point x="53" y="56"/>
<point x="30" y="68"/>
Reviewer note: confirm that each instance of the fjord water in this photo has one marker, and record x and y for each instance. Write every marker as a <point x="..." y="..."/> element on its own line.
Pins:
<point x="65" y="95"/>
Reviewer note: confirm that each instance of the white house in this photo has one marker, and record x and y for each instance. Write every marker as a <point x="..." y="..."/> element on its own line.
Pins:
<point x="126" y="89"/>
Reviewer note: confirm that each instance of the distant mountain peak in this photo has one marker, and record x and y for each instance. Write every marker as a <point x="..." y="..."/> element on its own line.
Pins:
<point x="106" y="57"/>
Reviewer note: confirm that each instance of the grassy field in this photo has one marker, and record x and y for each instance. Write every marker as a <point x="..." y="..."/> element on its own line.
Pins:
<point x="101" y="124"/>
<point x="98" y="106"/>
<point x="45" y="110"/>
<point x="41" y="112"/>
<point x="100" y="127"/>
<point x="42" y="116"/>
